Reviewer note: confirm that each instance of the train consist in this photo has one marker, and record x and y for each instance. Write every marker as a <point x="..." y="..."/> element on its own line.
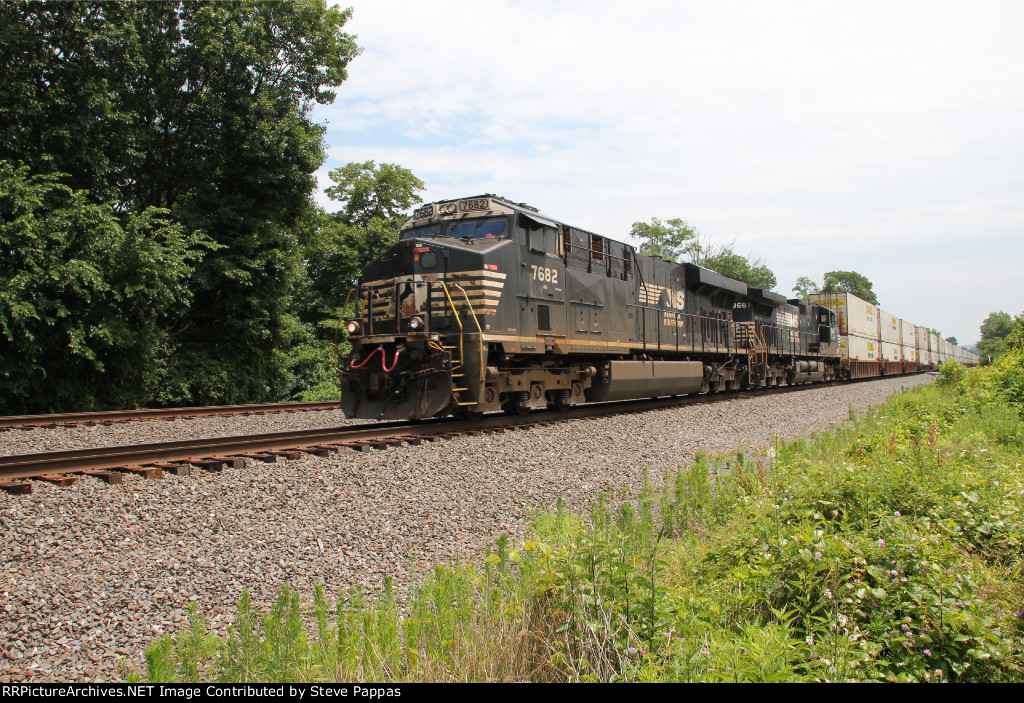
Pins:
<point x="485" y="304"/>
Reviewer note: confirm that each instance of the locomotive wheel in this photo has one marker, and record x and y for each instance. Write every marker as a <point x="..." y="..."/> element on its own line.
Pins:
<point x="514" y="408"/>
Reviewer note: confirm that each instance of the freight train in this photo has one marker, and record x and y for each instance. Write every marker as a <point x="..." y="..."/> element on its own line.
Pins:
<point x="485" y="304"/>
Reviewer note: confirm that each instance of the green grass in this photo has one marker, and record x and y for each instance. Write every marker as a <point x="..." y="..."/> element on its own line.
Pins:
<point x="886" y="550"/>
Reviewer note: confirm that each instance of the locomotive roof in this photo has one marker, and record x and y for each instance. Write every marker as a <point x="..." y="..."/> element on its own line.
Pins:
<point x="766" y="296"/>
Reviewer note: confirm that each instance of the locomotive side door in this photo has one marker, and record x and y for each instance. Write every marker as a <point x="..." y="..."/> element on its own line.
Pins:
<point x="542" y="289"/>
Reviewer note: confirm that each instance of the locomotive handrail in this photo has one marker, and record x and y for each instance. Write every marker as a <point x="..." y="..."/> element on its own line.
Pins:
<point x="478" y="328"/>
<point x="462" y="357"/>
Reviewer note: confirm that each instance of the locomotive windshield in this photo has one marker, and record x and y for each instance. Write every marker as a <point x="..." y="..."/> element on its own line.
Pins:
<point x="482" y="228"/>
<point x="428" y="231"/>
<point x="489" y="228"/>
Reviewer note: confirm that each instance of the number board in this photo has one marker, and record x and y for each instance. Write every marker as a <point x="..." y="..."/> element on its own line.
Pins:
<point x="475" y="204"/>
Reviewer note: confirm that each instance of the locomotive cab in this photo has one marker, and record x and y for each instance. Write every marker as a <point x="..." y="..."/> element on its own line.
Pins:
<point x="425" y="303"/>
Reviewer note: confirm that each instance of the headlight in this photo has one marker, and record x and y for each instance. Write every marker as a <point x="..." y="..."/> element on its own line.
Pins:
<point x="354" y="328"/>
<point x="448" y="209"/>
<point x="415" y="324"/>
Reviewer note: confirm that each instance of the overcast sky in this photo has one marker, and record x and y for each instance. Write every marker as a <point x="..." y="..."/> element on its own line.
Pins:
<point x="882" y="137"/>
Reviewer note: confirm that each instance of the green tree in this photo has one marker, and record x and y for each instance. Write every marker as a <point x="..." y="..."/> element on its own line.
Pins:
<point x="994" y="330"/>
<point x="952" y="340"/>
<point x="334" y="249"/>
<point x="754" y="273"/>
<point x="849" y="282"/>
<point x="724" y="259"/>
<point x="804" y="287"/>
<point x="89" y="297"/>
<point x="201" y="109"/>
<point x="670" y="239"/>
<point x="336" y="246"/>
<point x="676" y="239"/>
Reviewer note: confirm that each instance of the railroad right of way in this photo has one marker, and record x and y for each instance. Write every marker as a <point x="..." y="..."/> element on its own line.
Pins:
<point x="94" y="573"/>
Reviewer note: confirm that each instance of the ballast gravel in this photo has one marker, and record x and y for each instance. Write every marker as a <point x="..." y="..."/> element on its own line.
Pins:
<point x="92" y="574"/>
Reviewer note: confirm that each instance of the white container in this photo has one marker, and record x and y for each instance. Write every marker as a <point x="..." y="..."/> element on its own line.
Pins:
<point x="859" y="348"/>
<point x="921" y="333"/>
<point x="856" y="316"/>
<point x="889" y="327"/>
<point x="891" y="351"/>
<point x="908" y="337"/>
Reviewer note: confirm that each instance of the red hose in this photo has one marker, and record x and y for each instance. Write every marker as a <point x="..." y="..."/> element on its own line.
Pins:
<point x="394" y="363"/>
<point x="361" y="364"/>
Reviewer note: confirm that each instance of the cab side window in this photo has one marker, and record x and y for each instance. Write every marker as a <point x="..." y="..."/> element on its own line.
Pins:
<point x="542" y="239"/>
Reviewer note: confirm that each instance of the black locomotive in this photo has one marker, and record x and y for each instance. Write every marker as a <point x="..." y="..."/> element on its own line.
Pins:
<point x="485" y="304"/>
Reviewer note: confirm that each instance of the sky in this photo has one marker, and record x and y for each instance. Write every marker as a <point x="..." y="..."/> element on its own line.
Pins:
<point x="881" y="137"/>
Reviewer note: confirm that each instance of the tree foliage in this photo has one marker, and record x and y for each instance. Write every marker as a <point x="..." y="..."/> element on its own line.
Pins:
<point x="754" y="273"/>
<point x="804" y="287"/>
<point x="199" y="109"/>
<point x="334" y="248"/>
<point x="89" y="298"/>
<point x="994" y="331"/>
<point x="849" y="282"/>
<point x="675" y="240"/>
<point x="671" y="240"/>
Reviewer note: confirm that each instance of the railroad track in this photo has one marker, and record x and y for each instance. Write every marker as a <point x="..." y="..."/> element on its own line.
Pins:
<point x="215" y="453"/>
<point x="27" y="422"/>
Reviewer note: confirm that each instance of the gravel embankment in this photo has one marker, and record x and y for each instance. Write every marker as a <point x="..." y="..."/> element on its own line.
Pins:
<point x="18" y="441"/>
<point x="93" y="573"/>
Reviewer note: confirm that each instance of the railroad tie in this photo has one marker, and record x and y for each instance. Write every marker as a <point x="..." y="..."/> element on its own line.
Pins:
<point x="211" y="464"/>
<point x="329" y="448"/>
<point x="16" y="487"/>
<point x="287" y="453"/>
<point x="143" y="472"/>
<point x="62" y="480"/>
<point x="177" y="468"/>
<point x="111" y="477"/>
<point x="266" y="458"/>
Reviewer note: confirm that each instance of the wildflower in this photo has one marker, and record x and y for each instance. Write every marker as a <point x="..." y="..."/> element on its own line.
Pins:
<point x="927" y="652"/>
<point x="817" y="556"/>
<point x="881" y="545"/>
<point x="814" y="655"/>
<point x="905" y="627"/>
<point x="631" y="650"/>
<point x="897" y="513"/>
<point x="903" y="579"/>
<point x="810" y="640"/>
<point x="828" y="593"/>
<point x="842" y="620"/>
<point x="705" y="651"/>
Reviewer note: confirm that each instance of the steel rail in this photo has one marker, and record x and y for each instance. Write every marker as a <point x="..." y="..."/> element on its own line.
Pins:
<point x="57" y="419"/>
<point x="22" y="466"/>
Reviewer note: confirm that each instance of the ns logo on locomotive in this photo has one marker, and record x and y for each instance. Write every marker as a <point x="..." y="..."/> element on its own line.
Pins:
<point x="485" y="304"/>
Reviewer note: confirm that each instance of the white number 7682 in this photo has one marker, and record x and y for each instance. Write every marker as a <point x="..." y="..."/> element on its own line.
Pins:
<point x="543" y="273"/>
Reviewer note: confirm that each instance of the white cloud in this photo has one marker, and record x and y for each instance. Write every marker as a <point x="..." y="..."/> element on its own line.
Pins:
<point x="819" y="135"/>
